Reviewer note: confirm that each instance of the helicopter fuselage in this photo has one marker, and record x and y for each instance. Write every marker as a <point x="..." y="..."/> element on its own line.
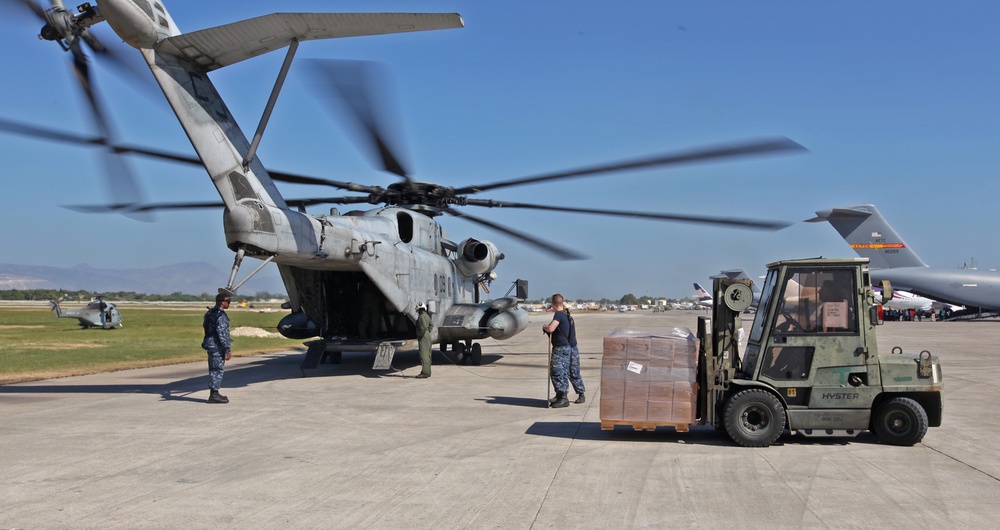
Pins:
<point x="327" y="262"/>
<point x="97" y="314"/>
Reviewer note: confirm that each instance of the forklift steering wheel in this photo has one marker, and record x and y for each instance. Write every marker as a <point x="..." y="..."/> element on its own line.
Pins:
<point x="789" y="322"/>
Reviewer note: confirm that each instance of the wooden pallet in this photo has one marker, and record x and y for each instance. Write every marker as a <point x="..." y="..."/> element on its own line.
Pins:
<point x="607" y="425"/>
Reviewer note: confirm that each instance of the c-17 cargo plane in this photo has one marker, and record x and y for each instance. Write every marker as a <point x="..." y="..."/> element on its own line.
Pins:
<point x="871" y="236"/>
<point x="350" y="278"/>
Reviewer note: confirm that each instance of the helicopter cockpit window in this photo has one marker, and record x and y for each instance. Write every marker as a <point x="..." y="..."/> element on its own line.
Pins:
<point x="405" y="224"/>
<point x="818" y="301"/>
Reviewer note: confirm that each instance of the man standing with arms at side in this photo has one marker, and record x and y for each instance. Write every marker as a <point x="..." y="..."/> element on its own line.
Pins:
<point x="565" y="356"/>
<point x="424" y="327"/>
<point x="216" y="342"/>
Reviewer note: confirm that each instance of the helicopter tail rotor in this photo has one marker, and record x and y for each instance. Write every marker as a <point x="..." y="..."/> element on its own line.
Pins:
<point x="71" y="32"/>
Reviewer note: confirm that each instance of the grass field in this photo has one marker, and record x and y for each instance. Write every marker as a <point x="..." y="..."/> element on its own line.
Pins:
<point x="35" y="345"/>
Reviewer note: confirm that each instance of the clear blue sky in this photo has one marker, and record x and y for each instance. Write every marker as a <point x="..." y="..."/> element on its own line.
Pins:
<point x="898" y="103"/>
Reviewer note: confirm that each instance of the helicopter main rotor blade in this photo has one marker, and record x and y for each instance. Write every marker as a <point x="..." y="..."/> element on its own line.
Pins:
<point x="122" y="184"/>
<point x="699" y="219"/>
<point x="300" y="179"/>
<point x="34" y="8"/>
<point x="124" y="63"/>
<point x="327" y="200"/>
<point x="754" y="147"/>
<point x="545" y="246"/>
<point x="142" y="208"/>
<point x="129" y="208"/>
<point x="60" y="136"/>
<point x="49" y="134"/>
<point x="353" y="82"/>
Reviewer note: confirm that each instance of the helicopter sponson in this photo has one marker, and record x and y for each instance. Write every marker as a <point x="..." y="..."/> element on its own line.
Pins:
<point x="499" y="319"/>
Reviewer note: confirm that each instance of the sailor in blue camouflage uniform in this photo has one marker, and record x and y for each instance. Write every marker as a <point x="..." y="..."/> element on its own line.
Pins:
<point x="216" y="342"/>
<point x="565" y="355"/>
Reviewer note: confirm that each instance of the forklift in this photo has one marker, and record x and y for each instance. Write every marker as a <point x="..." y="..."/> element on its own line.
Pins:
<point x="811" y="362"/>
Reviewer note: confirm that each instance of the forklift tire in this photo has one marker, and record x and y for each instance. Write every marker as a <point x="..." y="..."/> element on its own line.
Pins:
<point x="754" y="418"/>
<point x="900" y="421"/>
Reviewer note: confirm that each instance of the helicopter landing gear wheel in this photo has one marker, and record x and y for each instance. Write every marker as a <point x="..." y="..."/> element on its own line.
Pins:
<point x="459" y="349"/>
<point x="477" y="354"/>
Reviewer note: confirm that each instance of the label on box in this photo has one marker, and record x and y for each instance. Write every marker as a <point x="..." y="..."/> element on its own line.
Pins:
<point x="634" y="367"/>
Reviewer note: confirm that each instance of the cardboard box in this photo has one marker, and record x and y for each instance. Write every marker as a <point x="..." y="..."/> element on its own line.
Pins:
<point x="685" y="359"/>
<point x="662" y="348"/>
<point x="636" y="371"/>
<point x="660" y="373"/>
<point x="638" y="349"/>
<point x="660" y="411"/>
<point x="613" y="370"/>
<point x="634" y="411"/>
<point x="649" y="376"/>
<point x="636" y="390"/>
<point x="660" y="391"/>
<point x="612" y="409"/>
<point x="682" y="412"/>
<point x="615" y="347"/>
<point x="614" y="389"/>
<point x="685" y="375"/>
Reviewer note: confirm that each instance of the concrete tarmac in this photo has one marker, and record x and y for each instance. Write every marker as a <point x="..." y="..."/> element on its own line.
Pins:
<point x="472" y="447"/>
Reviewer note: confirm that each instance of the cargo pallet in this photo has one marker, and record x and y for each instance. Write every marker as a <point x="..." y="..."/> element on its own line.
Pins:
<point x="607" y="425"/>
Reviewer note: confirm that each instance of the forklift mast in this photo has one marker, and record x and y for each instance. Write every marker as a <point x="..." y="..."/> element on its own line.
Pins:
<point x="719" y="358"/>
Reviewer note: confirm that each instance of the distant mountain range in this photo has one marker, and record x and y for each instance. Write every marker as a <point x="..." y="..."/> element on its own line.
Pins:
<point x="188" y="278"/>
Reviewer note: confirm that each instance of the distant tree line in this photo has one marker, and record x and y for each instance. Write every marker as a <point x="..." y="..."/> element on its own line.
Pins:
<point x="123" y="296"/>
<point x="628" y="299"/>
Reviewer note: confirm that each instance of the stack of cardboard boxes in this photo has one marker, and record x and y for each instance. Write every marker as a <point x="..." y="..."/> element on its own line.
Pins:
<point x="649" y="376"/>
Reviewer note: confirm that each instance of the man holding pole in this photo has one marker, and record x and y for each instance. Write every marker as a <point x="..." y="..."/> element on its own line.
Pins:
<point x="565" y="367"/>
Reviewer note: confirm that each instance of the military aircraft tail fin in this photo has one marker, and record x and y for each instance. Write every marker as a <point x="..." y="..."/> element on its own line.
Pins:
<point x="870" y="235"/>
<point x="56" y="308"/>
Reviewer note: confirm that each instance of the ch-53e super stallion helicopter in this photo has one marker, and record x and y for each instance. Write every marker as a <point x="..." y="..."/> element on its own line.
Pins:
<point x="339" y="270"/>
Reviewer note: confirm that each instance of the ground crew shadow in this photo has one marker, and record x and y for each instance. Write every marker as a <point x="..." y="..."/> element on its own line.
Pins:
<point x="516" y="401"/>
<point x="272" y="368"/>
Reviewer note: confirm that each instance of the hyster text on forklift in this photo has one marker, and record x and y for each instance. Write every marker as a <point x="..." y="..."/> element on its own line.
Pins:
<point x="811" y="362"/>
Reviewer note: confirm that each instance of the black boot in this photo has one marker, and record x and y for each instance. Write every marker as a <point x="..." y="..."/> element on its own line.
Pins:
<point x="560" y="401"/>
<point x="215" y="397"/>
<point x="580" y="398"/>
<point x="558" y="396"/>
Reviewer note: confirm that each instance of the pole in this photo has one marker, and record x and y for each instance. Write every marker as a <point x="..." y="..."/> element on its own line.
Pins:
<point x="548" y="377"/>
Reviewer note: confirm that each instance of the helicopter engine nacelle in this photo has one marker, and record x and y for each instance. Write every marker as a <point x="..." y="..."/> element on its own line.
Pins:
<point x="477" y="257"/>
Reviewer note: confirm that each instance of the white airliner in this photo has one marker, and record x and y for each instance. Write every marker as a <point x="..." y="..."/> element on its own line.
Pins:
<point x="905" y="300"/>
<point x="703" y="297"/>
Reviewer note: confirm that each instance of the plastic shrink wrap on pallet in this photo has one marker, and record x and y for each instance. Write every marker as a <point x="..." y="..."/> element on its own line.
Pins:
<point x="649" y="376"/>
